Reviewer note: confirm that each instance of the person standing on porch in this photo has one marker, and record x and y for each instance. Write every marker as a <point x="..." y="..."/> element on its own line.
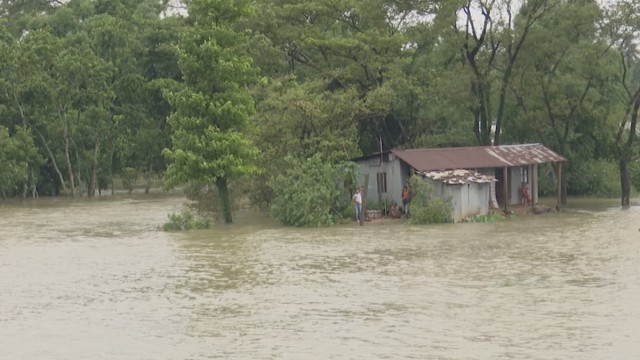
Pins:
<point x="524" y="192"/>
<point x="357" y="200"/>
<point x="406" y="199"/>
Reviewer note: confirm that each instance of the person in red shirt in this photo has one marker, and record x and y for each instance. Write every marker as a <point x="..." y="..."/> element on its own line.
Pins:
<point x="524" y="192"/>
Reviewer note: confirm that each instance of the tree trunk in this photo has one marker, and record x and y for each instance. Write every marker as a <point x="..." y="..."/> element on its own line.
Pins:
<point x="34" y="185"/>
<point x="51" y="157"/>
<point x="225" y="200"/>
<point x="94" y="170"/>
<point x="147" y="186"/>
<point x="67" y="157"/>
<point x="113" y="150"/>
<point x="563" y="185"/>
<point x="78" y="166"/>
<point x="624" y="182"/>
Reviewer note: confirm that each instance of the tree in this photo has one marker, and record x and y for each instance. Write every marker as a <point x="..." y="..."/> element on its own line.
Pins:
<point x="561" y="87"/>
<point x="18" y="153"/>
<point x="310" y="193"/>
<point x="212" y="109"/>
<point x="622" y="26"/>
<point x="353" y="49"/>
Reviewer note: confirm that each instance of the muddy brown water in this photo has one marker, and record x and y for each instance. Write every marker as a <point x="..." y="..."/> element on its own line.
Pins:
<point x="94" y="279"/>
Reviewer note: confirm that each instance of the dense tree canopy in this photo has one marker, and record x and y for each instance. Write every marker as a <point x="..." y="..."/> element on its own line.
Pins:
<point x="217" y="94"/>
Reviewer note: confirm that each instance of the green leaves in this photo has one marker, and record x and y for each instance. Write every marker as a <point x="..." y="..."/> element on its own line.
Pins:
<point x="309" y="192"/>
<point x="18" y="153"/>
<point x="425" y="208"/>
<point x="209" y="146"/>
<point x="207" y="156"/>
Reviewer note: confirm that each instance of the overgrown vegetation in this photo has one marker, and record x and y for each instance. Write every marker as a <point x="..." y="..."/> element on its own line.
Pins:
<point x="486" y="218"/>
<point x="594" y="178"/>
<point x="311" y="193"/>
<point x="425" y="208"/>
<point x="94" y="91"/>
<point x="185" y="220"/>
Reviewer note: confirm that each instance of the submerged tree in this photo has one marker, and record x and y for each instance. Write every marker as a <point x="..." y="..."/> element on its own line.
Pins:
<point x="209" y="147"/>
<point x="622" y="26"/>
<point x="310" y="193"/>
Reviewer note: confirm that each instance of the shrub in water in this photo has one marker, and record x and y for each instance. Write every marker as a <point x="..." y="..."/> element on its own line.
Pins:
<point x="486" y="218"/>
<point x="309" y="193"/>
<point x="185" y="221"/>
<point x="425" y="208"/>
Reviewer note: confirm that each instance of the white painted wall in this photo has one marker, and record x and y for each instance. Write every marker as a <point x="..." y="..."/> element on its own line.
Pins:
<point x="466" y="200"/>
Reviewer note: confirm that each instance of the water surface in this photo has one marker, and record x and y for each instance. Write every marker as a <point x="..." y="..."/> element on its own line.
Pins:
<point x="94" y="279"/>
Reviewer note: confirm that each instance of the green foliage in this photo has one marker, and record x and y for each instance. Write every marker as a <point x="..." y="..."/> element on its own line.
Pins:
<point x="486" y="218"/>
<point x="107" y="85"/>
<point x="184" y="221"/>
<point x="634" y="175"/>
<point x="129" y="176"/>
<point x="209" y="143"/>
<point x="547" y="185"/>
<point x="310" y="193"/>
<point x="17" y="153"/>
<point x="595" y="178"/>
<point x="425" y="208"/>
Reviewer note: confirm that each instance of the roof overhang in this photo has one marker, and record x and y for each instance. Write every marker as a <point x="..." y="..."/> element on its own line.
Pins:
<point x="478" y="157"/>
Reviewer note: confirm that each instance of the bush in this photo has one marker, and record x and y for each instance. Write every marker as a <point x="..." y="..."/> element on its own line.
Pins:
<point x="547" y="185"/>
<point x="310" y="192"/>
<point x="426" y="208"/>
<point x="129" y="177"/>
<point x="185" y="221"/>
<point x="595" y="178"/>
<point x="486" y="218"/>
<point x="634" y="174"/>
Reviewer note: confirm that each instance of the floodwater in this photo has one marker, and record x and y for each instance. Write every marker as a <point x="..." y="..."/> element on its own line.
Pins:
<point x="94" y="279"/>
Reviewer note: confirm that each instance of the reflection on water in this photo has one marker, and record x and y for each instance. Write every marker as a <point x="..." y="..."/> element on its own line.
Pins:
<point x="96" y="280"/>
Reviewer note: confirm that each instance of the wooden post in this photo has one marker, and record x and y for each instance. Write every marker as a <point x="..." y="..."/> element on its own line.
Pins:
<point x="559" y="195"/>
<point x="534" y="184"/>
<point x="505" y="188"/>
<point x="364" y="199"/>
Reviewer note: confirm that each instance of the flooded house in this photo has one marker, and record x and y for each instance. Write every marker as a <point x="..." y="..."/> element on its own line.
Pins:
<point x="475" y="179"/>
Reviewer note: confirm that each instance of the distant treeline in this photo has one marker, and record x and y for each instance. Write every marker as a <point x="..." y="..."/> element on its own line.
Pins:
<point x="224" y="96"/>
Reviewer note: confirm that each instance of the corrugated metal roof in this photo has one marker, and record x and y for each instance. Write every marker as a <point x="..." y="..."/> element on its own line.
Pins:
<point x="458" y="177"/>
<point x="477" y="157"/>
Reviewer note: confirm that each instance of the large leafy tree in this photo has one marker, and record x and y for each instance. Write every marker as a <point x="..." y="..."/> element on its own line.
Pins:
<point x="209" y="147"/>
<point x="352" y="49"/>
<point x="490" y="36"/>
<point x="561" y="89"/>
<point x="309" y="192"/>
<point x="18" y="153"/>
<point x="622" y="26"/>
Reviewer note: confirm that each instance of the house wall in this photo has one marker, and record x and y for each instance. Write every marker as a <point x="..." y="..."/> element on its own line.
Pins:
<point x="515" y="183"/>
<point x="478" y="199"/>
<point x="466" y="200"/>
<point x="393" y="168"/>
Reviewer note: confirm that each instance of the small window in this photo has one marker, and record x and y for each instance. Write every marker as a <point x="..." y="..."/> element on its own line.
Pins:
<point x="524" y="175"/>
<point x="382" y="182"/>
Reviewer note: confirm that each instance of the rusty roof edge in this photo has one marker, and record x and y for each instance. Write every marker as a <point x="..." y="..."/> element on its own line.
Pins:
<point x="491" y="152"/>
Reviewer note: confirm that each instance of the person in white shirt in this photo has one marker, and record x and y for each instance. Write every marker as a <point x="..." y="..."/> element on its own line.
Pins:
<point x="357" y="200"/>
